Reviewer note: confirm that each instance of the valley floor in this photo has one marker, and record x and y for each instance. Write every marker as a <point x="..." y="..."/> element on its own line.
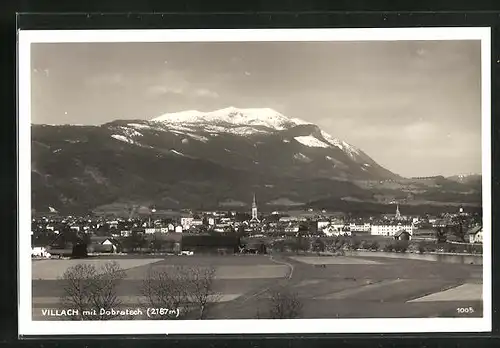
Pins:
<point x="361" y="286"/>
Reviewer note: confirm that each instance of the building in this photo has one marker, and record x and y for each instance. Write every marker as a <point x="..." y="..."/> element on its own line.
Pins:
<point x="255" y="217"/>
<point x="40" y="252"/>
<point x="476" y="234"/>
<point x="402" y="235"/>
<point x="365" y="227"/>
<point x="322" y="224"/>
<point x="125" y="233"/>
<point x="103" y="245"/>
<point x="386" y="229"/>
<point x="336" y="230"/>
<point x="186" y="222"/>
<point x="397" y="216"/>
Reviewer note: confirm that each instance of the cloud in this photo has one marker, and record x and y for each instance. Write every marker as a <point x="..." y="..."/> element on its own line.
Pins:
<point x="206" y="93"/>
<point x="157" y="90"/>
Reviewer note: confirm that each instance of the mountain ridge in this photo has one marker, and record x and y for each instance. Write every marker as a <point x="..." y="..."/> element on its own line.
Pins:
<point x="194" y="159"/>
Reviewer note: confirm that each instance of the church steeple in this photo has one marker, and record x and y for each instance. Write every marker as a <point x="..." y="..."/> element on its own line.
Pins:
<point x="398" y="214"/>
<point x="254" y="210"/>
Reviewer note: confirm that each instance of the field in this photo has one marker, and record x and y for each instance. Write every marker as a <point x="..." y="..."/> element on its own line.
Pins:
<point x="364" y="285"/>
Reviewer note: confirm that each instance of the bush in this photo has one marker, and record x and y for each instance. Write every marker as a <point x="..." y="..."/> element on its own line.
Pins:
<point x="431" y="248"/>
<point x="421" y="248"/>
<point x="477" y="248"/>
<point x="355" y="244"/>
<point x="284" y="304"/>
<point x="389" y="247"/>
<point x="450" y="248"/>
<point x="401" y="246"/>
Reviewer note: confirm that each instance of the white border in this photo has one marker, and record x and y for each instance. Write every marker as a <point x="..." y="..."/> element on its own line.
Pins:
<point x="379" y="325"/>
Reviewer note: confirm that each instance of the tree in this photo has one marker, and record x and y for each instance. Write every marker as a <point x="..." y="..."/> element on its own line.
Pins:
<point x="441" y="234"/>
<point x="301" y="243"/>
<point x="78" y="287"/>
<point x="205" y="221"/>
<point x="401" y="246"/>
<point x="104" y="294"/>
<point x="460" y="231"/>
<point x="375" y="245"/>
<point x="319" y="245"/>
<point x="103" y="230"/>
<point x="278" y="245"/>
<point x="79" y="250"/>
<point x="200" y="288"/>
<point x="355" y="244"/>
<point x="421" y="247"/>
<point x="164" y="288"/>
<point x="182" y="288"/>
<point x="157" y="244"/>
<point x="284" y="304"/>
<point x="87" y="288"/>
<point x="262" y="248"/>
<point x="389" y="247"/>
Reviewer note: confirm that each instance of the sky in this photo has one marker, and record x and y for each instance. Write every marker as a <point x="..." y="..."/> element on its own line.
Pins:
<point x="413" y="106"/>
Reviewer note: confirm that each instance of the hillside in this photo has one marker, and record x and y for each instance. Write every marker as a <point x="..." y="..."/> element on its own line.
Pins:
<point x="205" y="160"/>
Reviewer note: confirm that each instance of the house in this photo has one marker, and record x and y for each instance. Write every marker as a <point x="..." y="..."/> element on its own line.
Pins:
<point x="126" y="233"/>
<point x="151" y="230"/>
<point x="402" y="235"/>
<point x="40" y="252"/>
<point x="337" y="230"/>
<point x="476" y="234"/>
<point x="292" y="228"/>
<point x="103" y="245"/>
<point x="322" y="224"/>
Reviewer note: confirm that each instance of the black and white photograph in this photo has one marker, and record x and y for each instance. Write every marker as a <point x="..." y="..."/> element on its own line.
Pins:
<point x="246" y="177"/>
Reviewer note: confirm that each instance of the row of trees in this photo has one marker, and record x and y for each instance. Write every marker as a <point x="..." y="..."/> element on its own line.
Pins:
<point x="187" y="290"/>
<point x="342" y="243"/>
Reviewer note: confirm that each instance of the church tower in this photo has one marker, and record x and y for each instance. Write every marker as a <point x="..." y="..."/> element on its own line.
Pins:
<point x="254" y="210"/>
<point x="398" y="214"/>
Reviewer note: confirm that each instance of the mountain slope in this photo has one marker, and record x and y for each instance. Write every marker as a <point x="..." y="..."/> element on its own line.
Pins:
<point x="194" y="159"/>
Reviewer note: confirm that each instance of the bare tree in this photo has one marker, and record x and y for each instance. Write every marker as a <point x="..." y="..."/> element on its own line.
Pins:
<point x="77" y="287"/>
<point x="200" y="289"/>
<point x="284" y="304"/>
<point x="165" y="288"/>
<point x="103" y="295"/>
<point x="91" y="291"/>
<point x="187" y="289"/>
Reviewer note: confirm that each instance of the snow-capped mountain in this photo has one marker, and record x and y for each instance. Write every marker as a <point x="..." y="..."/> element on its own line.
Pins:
<point x="231" y="116"/>
<point x="195" y="157"/>
<point x="248" y="121"/>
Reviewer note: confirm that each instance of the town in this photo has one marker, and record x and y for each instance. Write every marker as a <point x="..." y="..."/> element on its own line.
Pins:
<point x="148" y="230"/>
